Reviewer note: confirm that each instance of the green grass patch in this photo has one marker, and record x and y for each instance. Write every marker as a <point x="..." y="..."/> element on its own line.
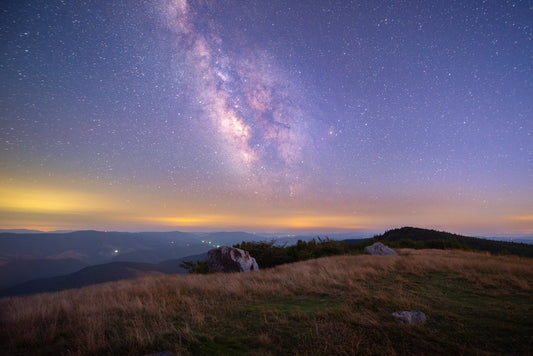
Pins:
<point x="470" y="316"/>
<point x="294" y="306"/>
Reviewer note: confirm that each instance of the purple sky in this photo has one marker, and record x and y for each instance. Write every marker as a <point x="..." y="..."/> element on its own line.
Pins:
<point x="267" y="115"/>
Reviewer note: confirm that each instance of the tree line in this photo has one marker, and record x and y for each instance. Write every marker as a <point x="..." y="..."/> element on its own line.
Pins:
<point x="269" y="254"/>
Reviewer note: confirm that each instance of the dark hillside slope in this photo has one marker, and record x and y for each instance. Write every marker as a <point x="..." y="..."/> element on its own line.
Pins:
<point x="20" y="271"/>
<point x="94" y="247"/>
<point x="108" y="272"/>
<point x="87" y="276"/>
<point x="25" y="257"/>
<point x="412" y="237"/>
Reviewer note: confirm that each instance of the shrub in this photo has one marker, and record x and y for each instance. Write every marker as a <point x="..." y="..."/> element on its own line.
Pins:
<point x="195" y="267"/>
<point x="268" y="254"/>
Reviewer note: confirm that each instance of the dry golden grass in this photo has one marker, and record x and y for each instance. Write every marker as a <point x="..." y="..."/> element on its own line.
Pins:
<point x="334" y="305"/>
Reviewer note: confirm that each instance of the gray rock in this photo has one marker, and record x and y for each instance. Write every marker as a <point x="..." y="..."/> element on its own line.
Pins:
<point x="410" y="317"/>
<point x="379" y="249"/>
<point x="230" y="259"/>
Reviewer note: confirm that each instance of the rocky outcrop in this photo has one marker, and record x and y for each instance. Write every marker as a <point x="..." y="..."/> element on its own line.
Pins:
<point x="230" y="259"/>
<point x="410" y="317"/>
<point x="379" y="249"/>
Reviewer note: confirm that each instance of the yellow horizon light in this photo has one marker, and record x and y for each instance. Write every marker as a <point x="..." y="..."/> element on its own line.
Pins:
<point x="50" y="200"/>
<point x="292" y="222"/>
<point x="522" y="218"/>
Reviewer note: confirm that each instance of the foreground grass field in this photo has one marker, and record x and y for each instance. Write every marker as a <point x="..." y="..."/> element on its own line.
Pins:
<point x="475" y="303"/>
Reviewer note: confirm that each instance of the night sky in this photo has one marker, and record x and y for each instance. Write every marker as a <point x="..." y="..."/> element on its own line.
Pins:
<point x="267" y="115"/>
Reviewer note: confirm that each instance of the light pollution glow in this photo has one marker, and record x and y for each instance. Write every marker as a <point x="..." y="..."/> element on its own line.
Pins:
<point x="53" y="208"/>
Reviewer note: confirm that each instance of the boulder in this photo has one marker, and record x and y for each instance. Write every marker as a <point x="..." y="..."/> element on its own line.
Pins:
<point x="230" y="259"/>
<point x="410" y="317"/>
<point x="379" y="249"/>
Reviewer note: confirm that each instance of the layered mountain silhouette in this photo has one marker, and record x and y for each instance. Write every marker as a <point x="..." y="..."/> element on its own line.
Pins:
<point x="108" y="272"/>
<point x="35" y="262"/>
<point x="29" y="255"/>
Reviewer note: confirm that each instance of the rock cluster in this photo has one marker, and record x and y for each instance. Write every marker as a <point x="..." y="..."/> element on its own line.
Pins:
<point x="230" y="259"/>
<point x="379" y="249"/>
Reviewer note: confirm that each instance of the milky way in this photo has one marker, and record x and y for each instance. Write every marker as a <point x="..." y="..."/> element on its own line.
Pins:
<point x="253" y="114"/>
<point x="273" y="115"/>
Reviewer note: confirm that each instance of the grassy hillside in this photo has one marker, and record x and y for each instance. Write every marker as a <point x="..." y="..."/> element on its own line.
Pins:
<point x="271" y="253"/>
<point x="476" y="304"/>
<point x="412" y="237"/>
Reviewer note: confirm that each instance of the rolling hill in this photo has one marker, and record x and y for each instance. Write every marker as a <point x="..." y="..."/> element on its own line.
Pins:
<point x="90" y="275"/>
<point x="27" y="256"/>
<point x="130" y="255"/>
<point x="412" y="237"/>
<point x="476" y="304"/>
<point x="92" y="247"/>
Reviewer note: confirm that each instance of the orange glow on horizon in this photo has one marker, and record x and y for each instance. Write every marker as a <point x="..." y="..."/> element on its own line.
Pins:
<point x="48" y="207"/>
<point x="50" y="200"/>
<point x="289" y="222"/>
<point x="522" y="218"/>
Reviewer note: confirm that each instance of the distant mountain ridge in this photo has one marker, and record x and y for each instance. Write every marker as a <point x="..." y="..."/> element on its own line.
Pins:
<point x="27" y="256"/>
<point x="37" y="262"/>
<point x="21" y="231"/>
<point x="93" y="247"/>
<point x="19" y="271"/>
<point x="103" y="273"/>
<point x="412" y="237"/>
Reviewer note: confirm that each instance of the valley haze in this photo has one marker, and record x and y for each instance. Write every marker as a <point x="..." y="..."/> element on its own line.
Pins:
<point x="98" y="256"/>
